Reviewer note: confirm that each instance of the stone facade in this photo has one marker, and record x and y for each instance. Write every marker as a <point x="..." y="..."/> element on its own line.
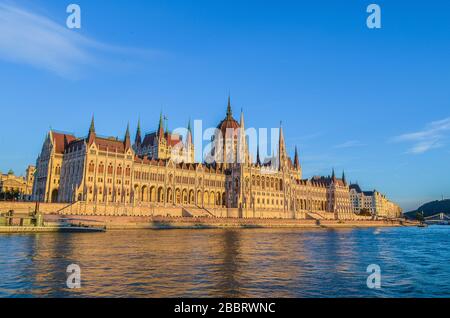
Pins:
<point x="159" y="172"/>
<point x="22" y="185"/>
<point x="373" y="202"/>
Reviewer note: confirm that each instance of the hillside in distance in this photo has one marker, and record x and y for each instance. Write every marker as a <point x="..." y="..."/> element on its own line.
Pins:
<point x="431" y="208"/>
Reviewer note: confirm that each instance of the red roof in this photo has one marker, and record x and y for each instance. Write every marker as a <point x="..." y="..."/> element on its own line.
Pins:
<point x="59" y="140"/>
<point x="110" y="144"/>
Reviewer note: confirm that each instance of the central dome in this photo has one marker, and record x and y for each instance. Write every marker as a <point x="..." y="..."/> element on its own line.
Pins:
<point x="229" y="122"/>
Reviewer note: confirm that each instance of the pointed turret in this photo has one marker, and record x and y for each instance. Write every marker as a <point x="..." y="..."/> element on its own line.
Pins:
<point x="50" y="136"/>
<point x="343" y="178"/>
<point x="189" y="134"/>
<point x="296" y="160"/>
<point x="127" y="140"/>
<point x="161" y="127"/>
<point x="258" y="158"/>
<point x="242" y="140"/>
<point x="91" y="135"/>
<point x="282" y="156"/>
<point x="189" y="147"/>
<point x="138" y="139"/>
<point x="229" y="111"/>
<point x="333" y="175"/>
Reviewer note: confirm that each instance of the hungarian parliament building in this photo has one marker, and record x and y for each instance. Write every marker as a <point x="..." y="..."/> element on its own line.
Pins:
<point x="158" y="173"/>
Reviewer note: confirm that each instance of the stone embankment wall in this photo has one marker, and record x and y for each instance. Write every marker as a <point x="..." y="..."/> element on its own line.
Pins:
<point x="137" y="222"/>
<point x="152" y="210"/>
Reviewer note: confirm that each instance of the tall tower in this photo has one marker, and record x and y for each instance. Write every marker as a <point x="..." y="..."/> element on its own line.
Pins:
<point x="226" y="140"/>
<point x="91" y="135"/>
<point x="282" y="154"/>
<point x="138" y="138"/>
<point x="297" y="167"/>
<point x="296" y="161"/>
<point x="242" y="155"/>
<point x="189" y="146"/>
<point x="161" y="127"/>
<point x="258" y="158"/>
<point x="127" y="140"/>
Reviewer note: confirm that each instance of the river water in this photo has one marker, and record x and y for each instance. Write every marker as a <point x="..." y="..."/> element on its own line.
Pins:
<point x="414" y="262"/>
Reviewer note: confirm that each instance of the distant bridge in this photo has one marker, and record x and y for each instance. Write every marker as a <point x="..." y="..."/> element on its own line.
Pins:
<point x="438" y="218"/>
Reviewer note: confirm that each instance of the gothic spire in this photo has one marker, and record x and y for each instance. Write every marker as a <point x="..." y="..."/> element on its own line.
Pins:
<point x="127" y="140"/>
<point x="343" y="177"/>
<point x="229" y="111"/>
<point x="189" y="133"/>
<point x="189" y="125"/>
<point x="242" y="140"/>
<point x="138" y="139"/>
<point x="333" y="175"/>
<point x="92" y="127"/>
<point x="258" y="159"/>
<point x="282" y="156"/>
<point x="296" y="160"/>
<point x="91" y="135"/>
<point x="161" y="126"/>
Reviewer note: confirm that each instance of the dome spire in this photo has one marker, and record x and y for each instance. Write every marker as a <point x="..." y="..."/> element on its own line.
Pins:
<point x="229" y="111"/>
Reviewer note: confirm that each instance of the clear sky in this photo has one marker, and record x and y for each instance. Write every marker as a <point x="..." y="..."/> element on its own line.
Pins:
<point x="373" y="102"/>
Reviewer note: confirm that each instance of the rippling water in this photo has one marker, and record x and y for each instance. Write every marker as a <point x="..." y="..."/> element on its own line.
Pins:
<point x="415" y="262"/>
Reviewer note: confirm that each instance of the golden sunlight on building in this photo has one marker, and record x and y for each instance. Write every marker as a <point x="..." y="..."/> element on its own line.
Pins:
<point x="109" y="172"/>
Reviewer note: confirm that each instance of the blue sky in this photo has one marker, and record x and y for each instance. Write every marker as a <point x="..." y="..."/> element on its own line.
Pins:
<point x="372" y="102"/>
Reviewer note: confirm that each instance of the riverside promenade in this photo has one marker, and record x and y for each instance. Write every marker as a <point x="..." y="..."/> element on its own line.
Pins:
<point x="141" y="217"/>
<point x="159" y="222"/>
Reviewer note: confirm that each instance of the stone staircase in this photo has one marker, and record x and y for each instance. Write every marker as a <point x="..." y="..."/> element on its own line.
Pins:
<point x="314" y="215"/>
<point x="196" y="212"/>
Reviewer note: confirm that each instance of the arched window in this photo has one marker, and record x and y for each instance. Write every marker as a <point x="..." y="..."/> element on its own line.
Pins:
<point x="127" y="171"/>
<point x="91" y="166"/>
<point x="119" y="170"/>
<point x="101" y="168"/>
<point x="110" y="169"/>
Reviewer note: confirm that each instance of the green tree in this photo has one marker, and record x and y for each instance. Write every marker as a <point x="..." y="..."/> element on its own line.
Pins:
<point x="420" y="217"/>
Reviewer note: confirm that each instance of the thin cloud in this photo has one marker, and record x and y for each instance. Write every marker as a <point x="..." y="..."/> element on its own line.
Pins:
<point x="349" y="144"/>
<point x="33" y="39"/>
<point x="431" y="137"/>
<point x="306" y="137"/>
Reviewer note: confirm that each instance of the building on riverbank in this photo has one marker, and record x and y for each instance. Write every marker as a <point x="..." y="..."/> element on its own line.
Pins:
<point x="373" y="202"/>
<point x="159" y="171"/>
<point x="19" y="186"/>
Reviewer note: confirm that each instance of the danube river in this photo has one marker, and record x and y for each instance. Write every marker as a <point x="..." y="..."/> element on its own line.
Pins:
<point x="414" y="262"/>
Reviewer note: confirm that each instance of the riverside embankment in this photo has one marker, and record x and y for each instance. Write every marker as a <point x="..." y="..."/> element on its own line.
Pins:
<point x="134" y="222"/>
